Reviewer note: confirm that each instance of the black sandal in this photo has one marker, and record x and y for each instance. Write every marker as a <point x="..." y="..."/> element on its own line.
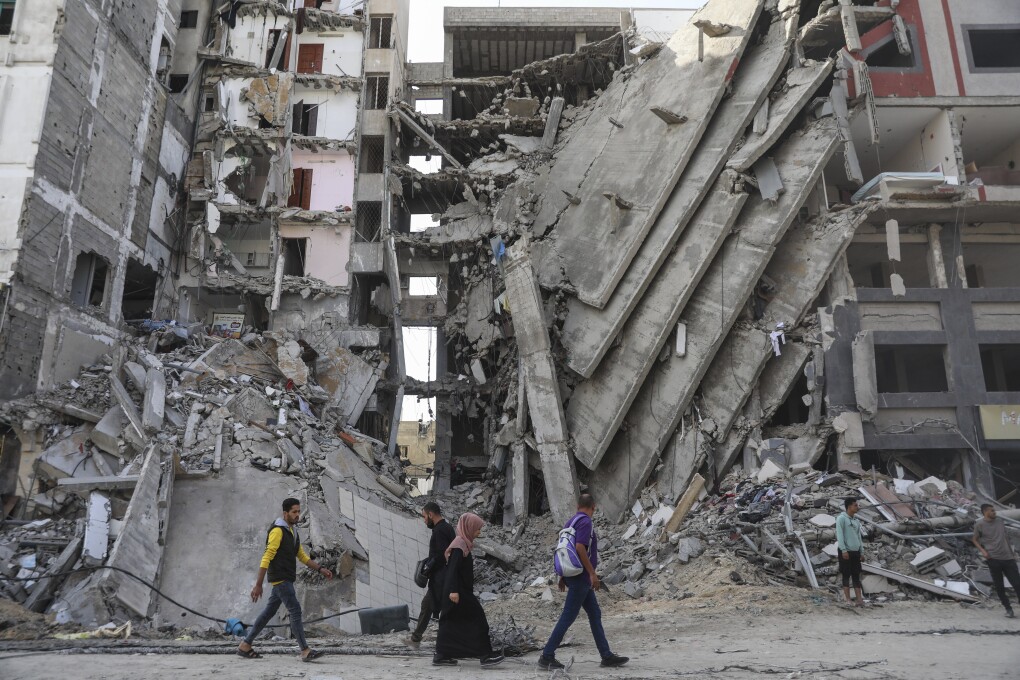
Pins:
<point x="312" y="655"/>
<point x="250" y="654"/>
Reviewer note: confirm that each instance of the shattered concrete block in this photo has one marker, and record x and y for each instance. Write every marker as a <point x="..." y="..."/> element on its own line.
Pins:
<point x="873" y="583"/>
<point x="155" y="399"/>
<point x="823" y="520"/>
<point x="137" y="375"/>
<point x="522" y="107"/>
<point x="633" y="590"/>
<point x="109" y="430"/>
<point x="769" y="470"/>
<point x="288" y="358"/>
<point x="689" y="548"/>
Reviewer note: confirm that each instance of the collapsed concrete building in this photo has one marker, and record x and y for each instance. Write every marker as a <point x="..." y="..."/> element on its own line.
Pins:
<point x="781" y="235"/>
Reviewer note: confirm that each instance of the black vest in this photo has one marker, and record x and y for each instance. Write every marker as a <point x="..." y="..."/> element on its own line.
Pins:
<point x="283" y="566"/>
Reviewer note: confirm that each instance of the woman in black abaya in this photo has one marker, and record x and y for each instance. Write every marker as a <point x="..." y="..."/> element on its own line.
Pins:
<point x="463" y="629"/>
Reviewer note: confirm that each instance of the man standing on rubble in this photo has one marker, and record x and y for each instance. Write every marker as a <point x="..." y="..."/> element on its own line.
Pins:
<point x="990" y="538"/>
<point x="283" y="549"/>
<point x="849" y="544"/>
<point x="581" y="592"/>
<point x="442" y="536"/>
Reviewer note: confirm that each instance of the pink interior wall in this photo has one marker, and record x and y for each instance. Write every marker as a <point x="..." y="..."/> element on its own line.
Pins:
<point x="332" y="178"/>
<point x="327" y="251"/>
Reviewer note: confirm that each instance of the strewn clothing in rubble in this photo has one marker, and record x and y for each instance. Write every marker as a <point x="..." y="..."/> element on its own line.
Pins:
<point x="283" y="546"/>
<point x="992" y="536"/>
<point x="848" y="533"/>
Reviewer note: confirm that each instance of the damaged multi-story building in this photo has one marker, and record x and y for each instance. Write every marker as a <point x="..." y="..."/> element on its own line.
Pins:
<point x="781" y="235"/>
<point x="781" y="253"/>
<point x="94" y="145"/>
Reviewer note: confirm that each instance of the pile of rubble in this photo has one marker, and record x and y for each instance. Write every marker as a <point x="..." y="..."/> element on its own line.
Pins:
<point x="105" y="449"/>
<point x="775" y="527"/>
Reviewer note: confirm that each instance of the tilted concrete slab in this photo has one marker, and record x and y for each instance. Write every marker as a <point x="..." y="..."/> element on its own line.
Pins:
<point x="801" y="83"/>
<point x="712" y="310"/>
<point x="640" y="156"/>
<point x="539" y="376"/>
<point x="774" y="387"/>
<point x="588" y="331"/>
<point x="598" y="405"/>
<point x="800" y="267"/>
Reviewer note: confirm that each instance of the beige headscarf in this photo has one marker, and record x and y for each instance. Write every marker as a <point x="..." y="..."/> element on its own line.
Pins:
<point x="467" y="525"/>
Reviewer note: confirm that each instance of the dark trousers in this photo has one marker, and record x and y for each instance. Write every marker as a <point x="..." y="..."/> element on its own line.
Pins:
<point x="283" y="593"/>
<point x="851" y="568"/>
<point x="1007" y="568"/>
<point x="579" y="595"/>
<point x="427" y="607"/>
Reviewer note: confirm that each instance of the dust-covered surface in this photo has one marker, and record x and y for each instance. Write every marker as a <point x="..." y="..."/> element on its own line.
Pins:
<point x="723" y="631"/>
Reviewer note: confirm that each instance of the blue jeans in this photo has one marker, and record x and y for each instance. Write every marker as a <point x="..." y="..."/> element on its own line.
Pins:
<point x="283" y="593"/>
<point x="579" y="594"/>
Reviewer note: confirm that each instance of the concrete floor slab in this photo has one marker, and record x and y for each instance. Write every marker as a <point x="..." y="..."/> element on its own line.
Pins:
<point x="712" y="310"/>
<point x="589" y="331"/>
<point x="641" y="157"/>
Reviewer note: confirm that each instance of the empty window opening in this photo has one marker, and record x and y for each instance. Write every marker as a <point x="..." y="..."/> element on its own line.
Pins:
<point x="88" y="286"/>
<point x="294" y="250"/>
<point x="381" y="34"/>
<point x="886" y="54"/>
<point x="430" y="107"/>
<point x="139" y="298"/>
<point x="306" y="119"/>
<point x="283" y="61"/>
<point x="209" y="103"/>
<point x="993" y="48"/>
<point x="368" y="221"/>
<point x="373" y="154"/>
<point x="426" y="164"/>
<point x="911" y="368"/>
<point x="992" y="265"/>
<point x="6" y="16"/>
<point x="189" y="19"/>
<point x="793" y="411"/>
<point x="377" y="92"/>
<point x="870" y="266"/>
<point x="163" y="60"/>
<point x="423" y="286"/>
<point x="309" y="58"/>
<point x="177" y="82"/>
<point x="420" y="349"/>
<point x="301" y="190"/>
<point x="420" y="223"/>
<point x="1001" y="366"/>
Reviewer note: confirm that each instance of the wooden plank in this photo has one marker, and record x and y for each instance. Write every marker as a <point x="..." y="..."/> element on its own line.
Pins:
<point x="684" y="506"/>
<point x="887" y="502"/>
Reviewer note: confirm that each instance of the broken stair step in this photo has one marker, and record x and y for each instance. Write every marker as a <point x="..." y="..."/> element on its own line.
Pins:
<point x="665" y="395"/>
<point x="588" y="332"/>
<point x="664" y="150"/>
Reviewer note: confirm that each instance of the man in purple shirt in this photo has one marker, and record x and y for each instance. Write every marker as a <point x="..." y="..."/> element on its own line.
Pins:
<point x="581" y="591"/>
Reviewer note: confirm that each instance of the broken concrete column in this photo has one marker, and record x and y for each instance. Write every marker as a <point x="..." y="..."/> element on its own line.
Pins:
<point x="539" y="376"/>
<point x="155" y="400"/>
<point x="97" y="529"/>
<point x="521" y="481"/>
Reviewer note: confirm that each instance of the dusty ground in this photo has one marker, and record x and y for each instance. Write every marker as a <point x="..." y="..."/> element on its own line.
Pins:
<point x="727" y="631"/>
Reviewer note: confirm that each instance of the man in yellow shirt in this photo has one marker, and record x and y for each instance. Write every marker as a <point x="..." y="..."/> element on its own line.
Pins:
<point x="283" y="548"/>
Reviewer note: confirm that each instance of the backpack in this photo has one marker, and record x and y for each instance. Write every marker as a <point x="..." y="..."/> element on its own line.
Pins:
<point x="565" y="559"/>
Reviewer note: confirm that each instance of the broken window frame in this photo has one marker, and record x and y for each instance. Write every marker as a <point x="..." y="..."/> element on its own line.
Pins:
<point x="305" y="119"/>
<point x="377" y="91"/>
<point x="274" y="37"/>
<point x="7" y="11"/>
<point x="189" y="19"/>
<point x="301" y="189"/>
<point x="380" y="35"/>
<point x="372" y="158"/>
<point x="88" y="266"/>
<point x="970" y="39"/>
<point x="177" y="82"/>
<point x="300" y="245"/>
<point x="1000" y="378"/>
<point x="885" y="359"/>
<point x="368" y="221"/>
<point x="916" y="65"/>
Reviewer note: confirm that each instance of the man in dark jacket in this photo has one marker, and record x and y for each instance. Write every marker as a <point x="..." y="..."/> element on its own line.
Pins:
<point x="283" y="549"/>
<point x="442" y="536"/>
